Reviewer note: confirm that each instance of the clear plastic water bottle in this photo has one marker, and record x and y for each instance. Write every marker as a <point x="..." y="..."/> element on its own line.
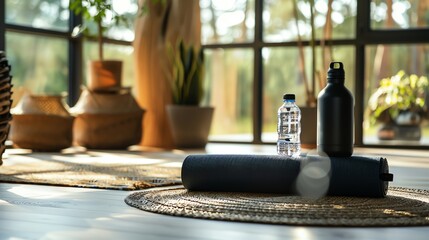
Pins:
<point x="289" y="127"/>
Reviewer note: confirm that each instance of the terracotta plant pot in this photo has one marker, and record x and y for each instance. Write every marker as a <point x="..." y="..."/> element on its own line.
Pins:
<point x="393" y="131"/>
<point x="104" y="75"/>
<point x="190" y="125"/>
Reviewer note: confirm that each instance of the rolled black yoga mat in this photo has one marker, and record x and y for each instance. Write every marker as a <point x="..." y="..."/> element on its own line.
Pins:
<point x="312" y="176"/>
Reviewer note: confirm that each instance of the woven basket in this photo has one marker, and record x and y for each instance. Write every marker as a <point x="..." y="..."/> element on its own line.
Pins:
<point x="42" y="104"/>
<point x="4" y="132"/>
<point x="107" y="120"/>
<point x="42" y="123"/>
<point x="108" y="131"/>
<point x="5" y="101"/>
<point x="5" y="107"/>
<point x="41" y="132"/>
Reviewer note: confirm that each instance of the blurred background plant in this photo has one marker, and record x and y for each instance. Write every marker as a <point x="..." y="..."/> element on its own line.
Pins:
<point x="401" y="93"/>
<point x="100" y="12"/>
<point x="317" y="73"/>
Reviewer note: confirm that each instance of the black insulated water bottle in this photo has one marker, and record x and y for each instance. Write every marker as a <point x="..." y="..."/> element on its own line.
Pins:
<point x="335" y="115"/>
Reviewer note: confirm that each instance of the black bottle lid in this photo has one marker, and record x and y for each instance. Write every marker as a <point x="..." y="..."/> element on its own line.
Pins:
<point x="289" y="97"/>
<point x="336" y="72"/>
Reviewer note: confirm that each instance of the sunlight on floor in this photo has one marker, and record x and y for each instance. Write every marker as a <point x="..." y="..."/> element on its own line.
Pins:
<point x="172" y="164"/>
<point x="108" y="159"/>
<point x="43" y="193"/>
<point x="301" y="233"/>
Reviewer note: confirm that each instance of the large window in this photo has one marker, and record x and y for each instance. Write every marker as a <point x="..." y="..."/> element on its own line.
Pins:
<point x="46" y="59"/>
<point x="37" y="46"/>
<point x="270" y="32"/>
<point x="253" y="49"/>
<point x="399" y="14"/>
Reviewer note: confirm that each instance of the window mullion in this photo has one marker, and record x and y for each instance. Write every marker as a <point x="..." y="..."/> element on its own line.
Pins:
<point x="75" y="57"/>
<point x="396" y="36"/>
<point x="362" y="31"/>
<point x="258" y="74"/>
<point x="2" y="25"/>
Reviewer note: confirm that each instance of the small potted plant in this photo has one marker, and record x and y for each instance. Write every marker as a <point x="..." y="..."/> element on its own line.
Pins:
<point x="399" y="105"/>
<point x="103" y="74"/>
<point x="107" y="116"/>
<point x="189" y="122"/>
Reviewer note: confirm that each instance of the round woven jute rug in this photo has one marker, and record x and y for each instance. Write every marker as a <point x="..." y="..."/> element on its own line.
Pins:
<point x="401" y="207"/>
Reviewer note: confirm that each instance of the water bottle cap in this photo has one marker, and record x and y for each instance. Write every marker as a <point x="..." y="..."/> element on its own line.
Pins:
<point x="336" y="71"/>
<point x="289" y="97"/>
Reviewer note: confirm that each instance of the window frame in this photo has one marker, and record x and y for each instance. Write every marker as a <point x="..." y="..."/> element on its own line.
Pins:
<point x="2" y="24"/>
<point x="75" y="46"/>
<point x="367" y="36"/>
<point x="364" y="36"/>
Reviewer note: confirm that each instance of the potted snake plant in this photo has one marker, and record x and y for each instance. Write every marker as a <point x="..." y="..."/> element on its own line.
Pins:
<point x="189" y="122"/>
<point x="103" y="75"/>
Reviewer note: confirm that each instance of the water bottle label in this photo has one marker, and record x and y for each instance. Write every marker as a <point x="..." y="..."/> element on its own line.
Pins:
<point x="289" y="130"/>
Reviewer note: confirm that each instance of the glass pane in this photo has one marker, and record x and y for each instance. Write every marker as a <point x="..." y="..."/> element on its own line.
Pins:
<point x="48" y="14"/>
<point x="227" y="21"/>
<point x="127" y="8"/>
<point x="280" y="24"/>
<point x="397" y="14"/>
<point x="229" y="75"/>
<point x="121" y="31"/>
<point x="39" y="64"/>
<point x="112" y="52"/>
<point x="397" y="111"/>
<point x="282" y="75"/>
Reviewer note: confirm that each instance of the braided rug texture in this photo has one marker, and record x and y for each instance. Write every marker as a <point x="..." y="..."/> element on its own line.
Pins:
<point x="90" y="170"/>
<point x="401" y="207"/>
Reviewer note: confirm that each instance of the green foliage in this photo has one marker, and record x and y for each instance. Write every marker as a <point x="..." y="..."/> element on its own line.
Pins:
<point x="145" y="9"/>
<point x="97" y="11"/>
<point x="400" y="92"/>
<point x="187" y="75"/>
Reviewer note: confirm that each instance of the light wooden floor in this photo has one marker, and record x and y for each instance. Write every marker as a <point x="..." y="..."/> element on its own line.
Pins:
<point x="42" y="212"/>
